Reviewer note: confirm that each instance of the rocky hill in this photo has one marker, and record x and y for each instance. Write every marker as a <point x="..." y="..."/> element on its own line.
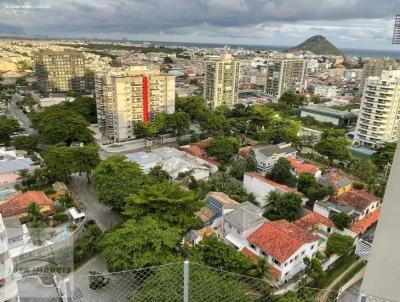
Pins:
<point x="318" y="45"/>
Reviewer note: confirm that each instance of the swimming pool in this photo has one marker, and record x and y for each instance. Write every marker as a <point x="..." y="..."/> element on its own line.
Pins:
<point x="5" y="192"/>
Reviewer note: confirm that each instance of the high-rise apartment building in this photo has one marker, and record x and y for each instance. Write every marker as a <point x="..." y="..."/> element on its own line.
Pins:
<point x="285" y="75"/>
<point x="374" y="69"/>
<point x="8" y="284"/>
<point x="127" y="96"/>
<point x="59" y="71"/>
<point x="378" y="121"/>
<point x="221" y="86"/>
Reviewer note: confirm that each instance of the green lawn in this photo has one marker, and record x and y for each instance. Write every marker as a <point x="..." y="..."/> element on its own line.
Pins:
<point x="340" y="266"/>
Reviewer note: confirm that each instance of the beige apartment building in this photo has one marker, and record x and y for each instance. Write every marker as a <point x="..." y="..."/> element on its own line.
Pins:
<point x="378" y="121"/>
<point x="374" y="69"/>
<point x="127" y="96"/>
<point x="221" y="86"/>
<point x="59" y="71"/>
<point x="285" y="75"/>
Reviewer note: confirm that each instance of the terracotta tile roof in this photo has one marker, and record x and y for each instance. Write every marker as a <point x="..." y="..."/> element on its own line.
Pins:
<point x="334" y="179"/>
<point x="253" y="256"/>
<point x="280" y="239"/>
<point x="19" y="204"/>
<point x="210" y="160"/>
<point x="358" y="199"/>
<point x="245" y="151"/>
<point x="302" y="167"/>
<point x="275" y="273"/>
<point x="361" y="225"/>
<point x="195" y="150"/>
<point x="312" y="220"/>
<point x="270" y="182"/>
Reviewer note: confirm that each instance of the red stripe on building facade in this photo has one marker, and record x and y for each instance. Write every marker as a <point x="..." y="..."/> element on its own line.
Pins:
<point x="145" y="88"/>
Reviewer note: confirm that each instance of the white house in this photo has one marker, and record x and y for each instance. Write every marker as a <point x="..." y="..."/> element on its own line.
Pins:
<point x="284" y="245"/>
<point x="260" y="186"/>
<point x="239" y="223"/>
<point x="267" y="156"/>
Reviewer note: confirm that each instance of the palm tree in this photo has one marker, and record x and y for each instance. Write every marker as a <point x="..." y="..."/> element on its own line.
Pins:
<point x="34" y="213"/>
<point x="24" y="176"/>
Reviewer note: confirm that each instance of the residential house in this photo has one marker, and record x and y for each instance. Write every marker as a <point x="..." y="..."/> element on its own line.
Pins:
<point x="268" y="156"/>
<point x="9" y="170"/>
<point x="362" y="201"/>
<point x="146" y="160"/>
<point x="284" y="245"/>
<point x="299" y="167"/>
<point x="239" y="223"/>
<point x="211" y="216"/>
<point x="341" y="183"/>
<point x="260" y="186"/>
<point x="19" y="204"/>
<point x="199" y="150"/>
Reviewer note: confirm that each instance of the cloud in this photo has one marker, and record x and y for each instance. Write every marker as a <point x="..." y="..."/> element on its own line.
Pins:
<point x="207" y="19"/>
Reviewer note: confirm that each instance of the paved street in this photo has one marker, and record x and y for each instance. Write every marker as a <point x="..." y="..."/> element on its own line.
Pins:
<point x="105" y="217"/>
<point x="18" y="114"/>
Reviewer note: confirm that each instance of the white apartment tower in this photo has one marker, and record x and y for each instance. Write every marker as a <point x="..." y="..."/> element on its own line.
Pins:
<point x="221" y="86"/>
<point x="8" y="284"/>
<point x="285" y="75"/>
<point x="127" y="96"/>
<point x="378" y="121"/>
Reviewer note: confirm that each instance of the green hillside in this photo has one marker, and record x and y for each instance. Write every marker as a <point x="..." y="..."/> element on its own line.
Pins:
<point x="318" y="45"/>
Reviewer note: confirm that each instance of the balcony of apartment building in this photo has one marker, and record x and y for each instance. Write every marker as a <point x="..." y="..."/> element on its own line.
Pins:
<point x="8" y="290"/>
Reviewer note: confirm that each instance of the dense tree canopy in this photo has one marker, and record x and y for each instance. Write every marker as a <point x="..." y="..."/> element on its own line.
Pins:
<point x="217" y="254"/>
<point x="364" y="169"/>
<point x="7" y="128"/>
<point x="339" y="244"/>
<point x="57" y="124"/>
<point x="223" y="148"/>
<point x="308" y="185"/>
<point x="284" y="206"/>
<point x="195" y="106"/>
<point x="215" y="124"/>
<point x="62" y="161"/>
<point x="27" y="143"/>
<point x="282" y="173"/>
<point x="140" y="243"/>
<point x="384" y="155"/>
<point x="315" y="271"/>
<point x="341" y="221"/>
<point x="166" y="202"/>
<point x="115" y="179"/>
<point x="143" y="130"/>
<point x="242" y="165"/>
<point x="334" y="145"/>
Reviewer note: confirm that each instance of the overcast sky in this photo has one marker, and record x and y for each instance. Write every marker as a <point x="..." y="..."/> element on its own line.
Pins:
<point x="346" y="23"/>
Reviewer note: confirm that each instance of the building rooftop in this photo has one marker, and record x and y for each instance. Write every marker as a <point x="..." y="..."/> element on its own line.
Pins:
<point x="281" y="239"/>
<point x="271" y="150"/>
<point x="167" y="152"/>
<point x="14" y="165"/>
<point x="363" y="224"/>
<point x="302" y="167"/>
<point x="270" y="182"/>
<point x="244" y="217"/>
<point x="143" y="158"/>
<point x="317" y="109"/>
<point x="334" y="179"/>
<point x="358" y="199"/>
<point x="20" y="203"/>
<point x="312" y="220"/>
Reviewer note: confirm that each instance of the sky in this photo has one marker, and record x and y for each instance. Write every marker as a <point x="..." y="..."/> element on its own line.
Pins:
<point x="346" y="23"/>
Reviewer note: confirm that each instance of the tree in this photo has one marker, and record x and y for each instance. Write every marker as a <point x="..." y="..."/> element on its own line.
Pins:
<point x="178" y="123"/>
<point x="143" y="130"/>
<point x="240" y="166"/>
<point x="215" y="124"/>
<point x="223" y="148"/>
<point x="308" y="185"/>
<point x="7" y="128"/>
<point x="162" y="201"/>
<point x="364" y="169"/>
<point x="281" y="131"/>
<point x="85" y="106"/>
<point x="195" y="106"/>
<point x="24" y="177"/>
<point x="284" y="206"/>
<point x="291" y="99"/>
<point x="217" y="254"/>
<point x="334" y="145"/>
<point x="59" y="162"/>
<point x="115" y="179"/>
<point x="341" y="221"/>
<point x="384" y="155"/>
<point x="34" y="213"/>
<point x="305" y="182"/>
<point x="57" y="124"/>
<point x="339" y="244"/>
<point x="27" y="143"/>
<point x="86" y="159"/>
<point x="158" y="174"/>
<point x="138" y="244"/>
<point x="282" y="173"/>
<point x="314" y="270"/>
